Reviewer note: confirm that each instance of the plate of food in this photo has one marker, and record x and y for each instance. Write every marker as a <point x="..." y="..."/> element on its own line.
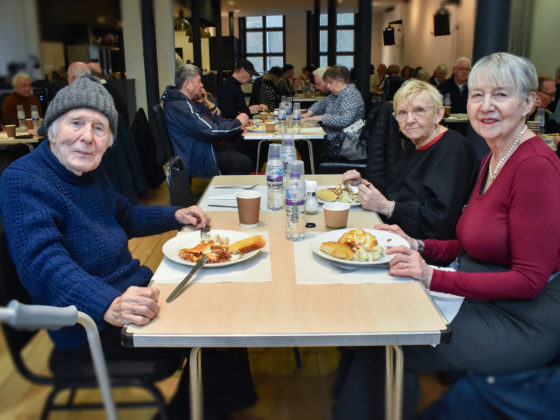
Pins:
<point x="356" y="247"/>
<point x="257" y="128"/>
<point x="343" y="193"/>
<point x="224" y="247"/>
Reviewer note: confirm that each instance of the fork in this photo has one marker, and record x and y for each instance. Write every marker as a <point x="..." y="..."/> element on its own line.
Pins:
<point x="245" y="187"/>
<point x="205" y="234"/>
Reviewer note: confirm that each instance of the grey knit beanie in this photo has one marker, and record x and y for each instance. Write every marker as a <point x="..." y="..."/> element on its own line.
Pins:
<point x="85" y="92"/>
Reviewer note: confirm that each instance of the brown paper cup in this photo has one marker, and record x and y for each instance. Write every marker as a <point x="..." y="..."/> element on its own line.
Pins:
<point x="336" y="214"/>
<point x="270" y="127"/>
<point x="29" y="123"/>
<point x="248" y="207"/>
<point x="11" y="130"/>
<point x="263" y="115"/>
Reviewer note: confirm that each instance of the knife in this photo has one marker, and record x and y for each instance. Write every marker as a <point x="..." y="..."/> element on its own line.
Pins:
<point x="177" y="291"/>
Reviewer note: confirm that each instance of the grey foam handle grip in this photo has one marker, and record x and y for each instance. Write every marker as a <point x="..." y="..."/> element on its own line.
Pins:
<point x="39" y="316"/>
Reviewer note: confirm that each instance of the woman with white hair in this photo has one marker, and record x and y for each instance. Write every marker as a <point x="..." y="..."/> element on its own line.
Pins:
<point x="507" y="250"/>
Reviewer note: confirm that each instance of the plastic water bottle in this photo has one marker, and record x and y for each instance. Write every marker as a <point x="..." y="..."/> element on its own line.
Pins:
<point x="295" y="202"/>
<point x="282" y="118"/>
<point x="35" y="116"/>
<point x="297" y="118"/>
<point x="21" y="117"/>
<point x="539" y="116"/>
<point x="447" y="104"/>
<point x="274" y="177"/>
<point x="288" y="151"/>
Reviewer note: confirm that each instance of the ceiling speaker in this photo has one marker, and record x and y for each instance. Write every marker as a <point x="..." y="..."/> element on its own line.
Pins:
<point x="441" y="23"/>
<point x="389" y="36"/>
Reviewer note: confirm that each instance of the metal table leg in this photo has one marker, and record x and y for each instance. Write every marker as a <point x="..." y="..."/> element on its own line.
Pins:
<point x="393" y="382"/>
<point x="195" y="385"/>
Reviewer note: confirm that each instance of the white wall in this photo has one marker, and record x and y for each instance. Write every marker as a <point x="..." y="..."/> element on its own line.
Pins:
<point x="544" y="47"/>
<point x="165" y="45"/>
<point x="296" y="41"/>
<point x="19" y="36"/>
<point x="418" y="46"/>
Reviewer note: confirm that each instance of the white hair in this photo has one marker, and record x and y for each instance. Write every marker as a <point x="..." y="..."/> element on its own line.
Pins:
<point x="320" y="71"/>
<point x="18" y="76"/>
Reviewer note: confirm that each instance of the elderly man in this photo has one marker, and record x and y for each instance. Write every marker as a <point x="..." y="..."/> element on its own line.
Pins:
<point x="440" y="73"/>
<point x="377" y="80"/>
<point x="21" y="96"/>
<point x="546" y="91"/>
<point x="208" y="143"/>
<point x="231" y="98"/>
<point x="456" y="86"/>
<point x="53" y="198"/>
<point x="75" y="70"/>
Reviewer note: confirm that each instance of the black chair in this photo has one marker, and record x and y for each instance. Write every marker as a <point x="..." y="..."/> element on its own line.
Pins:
<point x="179" y="183"/>
<point x="71" y="374"/>
<point x="164" y="147"/>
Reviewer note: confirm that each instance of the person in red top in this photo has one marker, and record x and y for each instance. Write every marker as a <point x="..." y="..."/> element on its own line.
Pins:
<point x="507" y="250"/>
<point x="22" y="95"/>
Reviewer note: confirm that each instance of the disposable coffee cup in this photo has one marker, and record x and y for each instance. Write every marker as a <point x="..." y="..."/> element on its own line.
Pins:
<point x="29" y="123"/>
<point x="263" y="115"/>
<point x="11" y="130"/>
<point x="447" y="111"/>
<point x="270" y="127"/>
<point x="336" y="214"/>
<point x="248" y="207"/>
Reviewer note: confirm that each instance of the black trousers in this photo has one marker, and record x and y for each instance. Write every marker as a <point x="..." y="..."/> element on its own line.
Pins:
<point x="488" y="337"/>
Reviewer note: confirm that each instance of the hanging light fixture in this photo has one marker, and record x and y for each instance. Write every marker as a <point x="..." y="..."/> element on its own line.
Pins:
<point x="182" y="24"/>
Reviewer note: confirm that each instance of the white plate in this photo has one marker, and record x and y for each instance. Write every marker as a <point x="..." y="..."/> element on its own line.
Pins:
<point x="189" y="240"/>
<point x="322" y="187"/>
<point x="384" y="239"/>
<point x="257" y="130"/>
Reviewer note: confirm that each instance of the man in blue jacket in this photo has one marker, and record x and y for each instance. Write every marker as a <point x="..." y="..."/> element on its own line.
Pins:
<point x="207" y="143"/>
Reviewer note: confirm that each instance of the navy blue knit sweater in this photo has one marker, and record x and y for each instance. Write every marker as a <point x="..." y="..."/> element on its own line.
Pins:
<point x="68" y="236"/>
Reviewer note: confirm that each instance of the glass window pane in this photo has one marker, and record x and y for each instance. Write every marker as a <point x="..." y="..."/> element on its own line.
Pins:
<point x="254" y="42"/>
<point x="323" y="41"/>
<point x="258" y="63"/>
<point x="323" y="60"/>
<point x="274" y="42"/>
<point x="254" y="22"/>
<point x="274" y="61"/>
<point x="274" y="21"/>
<point x="345" y="19"/>
<point x="323" y="20"/>
<point x="345" y="40"/>
<point x="345" y="60"/>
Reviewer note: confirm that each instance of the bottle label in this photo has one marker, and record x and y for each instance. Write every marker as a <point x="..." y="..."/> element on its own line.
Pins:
<point x="295" y="202"/>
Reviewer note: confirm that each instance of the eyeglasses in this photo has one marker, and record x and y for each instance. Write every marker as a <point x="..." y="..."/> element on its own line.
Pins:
<point x="417" y="112"/>
<point x="551" y="94"/>
<point x="463" y="68"/>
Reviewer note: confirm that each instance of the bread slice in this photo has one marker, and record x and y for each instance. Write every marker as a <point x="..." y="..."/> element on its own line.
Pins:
<point x="326" y="194"/>
<point x="337" y="250"/>
<point x="246" y="245"/>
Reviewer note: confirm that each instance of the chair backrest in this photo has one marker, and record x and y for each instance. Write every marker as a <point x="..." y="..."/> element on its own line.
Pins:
<point x="179" y="183"/>
<point x="11" y="288"/>
<point x="164" y="147"/>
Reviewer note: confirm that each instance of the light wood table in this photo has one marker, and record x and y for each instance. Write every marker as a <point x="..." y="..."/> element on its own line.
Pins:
<point x="11" y="141"/>
<point x="281" y="313"/>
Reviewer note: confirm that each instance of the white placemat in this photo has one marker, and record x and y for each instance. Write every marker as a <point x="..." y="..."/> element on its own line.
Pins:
<point x="224" y="198"/>
<point x="256" y="269"/>
<point x="312" y="269"/>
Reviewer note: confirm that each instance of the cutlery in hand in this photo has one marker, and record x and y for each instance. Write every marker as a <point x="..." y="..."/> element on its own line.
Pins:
<point x="177" y="291"/>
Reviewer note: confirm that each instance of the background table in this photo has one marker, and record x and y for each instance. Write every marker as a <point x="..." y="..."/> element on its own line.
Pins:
<point x="281" y="313"/>
<point x="276" y="136"/>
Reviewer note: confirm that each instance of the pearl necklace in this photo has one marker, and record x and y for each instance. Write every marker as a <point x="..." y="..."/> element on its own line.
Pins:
<point x="494" y="173"/>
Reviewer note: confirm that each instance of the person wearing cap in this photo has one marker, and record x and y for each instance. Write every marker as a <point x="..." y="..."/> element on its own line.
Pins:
<point x="231" y="98"/>
<point x="68" y="230"/>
